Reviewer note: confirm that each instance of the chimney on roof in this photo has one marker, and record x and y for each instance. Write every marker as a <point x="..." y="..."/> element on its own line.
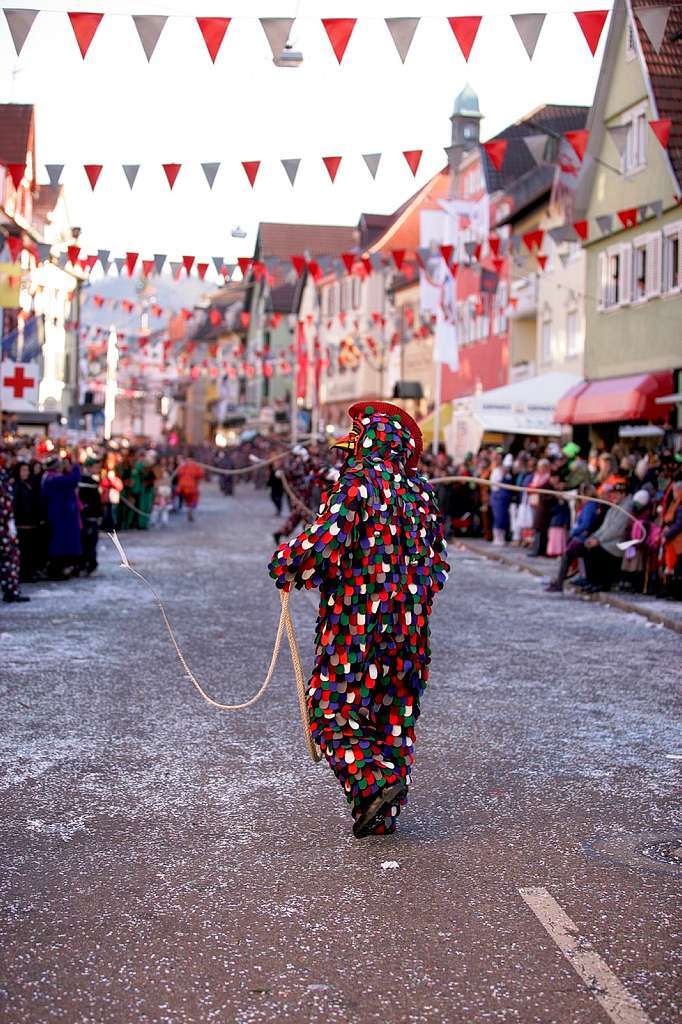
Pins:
<point x="466" y="124"/>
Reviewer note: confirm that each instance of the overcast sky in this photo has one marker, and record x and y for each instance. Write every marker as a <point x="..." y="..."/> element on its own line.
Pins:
<point x="115" y="108"/>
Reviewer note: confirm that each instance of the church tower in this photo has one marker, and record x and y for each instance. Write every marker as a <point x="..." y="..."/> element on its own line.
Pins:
<point x="466" y="123"/>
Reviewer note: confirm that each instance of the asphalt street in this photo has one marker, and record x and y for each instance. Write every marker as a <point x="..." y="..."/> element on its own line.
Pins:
<point x="162" y="862"/>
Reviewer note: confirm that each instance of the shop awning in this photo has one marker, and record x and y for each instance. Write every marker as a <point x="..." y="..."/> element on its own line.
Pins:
<point x="524" y="407"/>
<point x="428" y="424"/>
<point x="616" y="399"/>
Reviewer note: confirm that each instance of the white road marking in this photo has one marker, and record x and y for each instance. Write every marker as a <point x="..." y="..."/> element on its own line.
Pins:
<point x="621" y="1007"/>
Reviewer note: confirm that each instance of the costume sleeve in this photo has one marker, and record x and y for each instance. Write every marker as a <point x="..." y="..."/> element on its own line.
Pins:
<point x="316" y="552"/>
<point x="440" y="568"/>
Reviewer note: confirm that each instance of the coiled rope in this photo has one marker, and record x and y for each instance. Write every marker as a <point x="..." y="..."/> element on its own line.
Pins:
<point x="285" y="623"/>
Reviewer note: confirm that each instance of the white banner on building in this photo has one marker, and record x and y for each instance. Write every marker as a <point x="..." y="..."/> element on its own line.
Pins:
<point x="20" y="382"/>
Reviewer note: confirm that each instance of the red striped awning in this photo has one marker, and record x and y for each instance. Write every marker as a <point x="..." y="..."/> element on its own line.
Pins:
<point x="616" y="400"/>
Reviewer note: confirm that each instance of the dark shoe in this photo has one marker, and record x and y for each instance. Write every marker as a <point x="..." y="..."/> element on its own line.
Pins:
<point x="580" y="582"/>
<point x="376" y="809"/>
<point x="276" y="537"/>
<point x="554" y="588"/>
<point x="15" y="598"/>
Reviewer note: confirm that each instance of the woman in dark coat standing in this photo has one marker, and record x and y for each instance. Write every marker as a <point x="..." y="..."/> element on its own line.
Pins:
<point x="60" y="494"/>
<point x="27" y="518"/>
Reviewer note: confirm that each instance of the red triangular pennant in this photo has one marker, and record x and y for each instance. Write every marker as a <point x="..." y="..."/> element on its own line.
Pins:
<point x="413" y="157"/>
<point x="533" y="239"/>
<point x="446" y="252"/>
<point x="495" y="150"/>
<point x="398" y="258"/>
<point x="591" y="24"/>
<point x="332" y="165"/>
<point x="661" y="130"/>
<point x="578" y="140"/>
<point x="201" y="270"/>
<point x="215" y="316"/>
<point x="72" y="252"/>
<point x="245" y="263"/>
<point x="16" y="173"/>
<point x="93" y="172"/>
<point x="251" y="170"/>
<point x="188" y="263"/>
<point x="542" y="260"/>
<point x="131" y="260"/>
<point x="213" y="30"/>
<point x="581" y="229"/>
<point x="339" y="31"/>
<point x="465" y="30"/>
<point x="494" y="244"/>
<point x="84" y="26"/>
<point x="315" y="270"/>
<point x="298" y="263"/>
<point x="498" y="263"/>
<point x="15" y="245"/>
<point x="172" y="171"/>
<point x="628" y="217"/>
<point x="245" y="317"/>
<point x="147" y="267"/>
<point x="348" y="260"/>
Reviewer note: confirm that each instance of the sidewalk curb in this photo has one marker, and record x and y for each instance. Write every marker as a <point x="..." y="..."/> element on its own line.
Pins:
<point x="608" y="599"/>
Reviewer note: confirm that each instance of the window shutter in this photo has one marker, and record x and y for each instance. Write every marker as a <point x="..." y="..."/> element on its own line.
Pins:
<point x="601" y="280"/>
<point x="625" y="271"/>
<point x="653" y="266"/>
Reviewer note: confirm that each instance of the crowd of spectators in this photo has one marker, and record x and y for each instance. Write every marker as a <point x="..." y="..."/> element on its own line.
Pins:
<point x="591" y="542"/>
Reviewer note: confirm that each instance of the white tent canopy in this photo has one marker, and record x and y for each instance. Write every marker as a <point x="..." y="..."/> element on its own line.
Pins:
<point x="525" y="407"/>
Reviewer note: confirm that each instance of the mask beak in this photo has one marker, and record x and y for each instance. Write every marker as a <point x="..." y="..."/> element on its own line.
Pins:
<point x="347" y="442"/>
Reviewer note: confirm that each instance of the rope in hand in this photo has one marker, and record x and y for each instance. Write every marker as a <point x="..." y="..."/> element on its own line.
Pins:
<point x="285" y="623"/>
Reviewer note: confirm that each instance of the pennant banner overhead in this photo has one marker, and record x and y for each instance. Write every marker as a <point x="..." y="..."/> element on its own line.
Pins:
<point x="605" y="223"/>
<point x="528" y="27"/>
<point x="537" y="146"/>
<point x="171" y="171"/>
<point x="591" y="24"/>
<point x="131" y="171"/>
<point x="159" y="260"/>
<point x="84" y="26"/>
<point x="277" y="32"/>
<point x="332" y="164"/>
<point x="210" y="170"/>
<point x="251" y="170"/>
<point x="495" y="150"/>
<point x="465" y="30"/>
<point x="213" y="31"/>
<point x="93" y="172"/>
<point x="413" y="158"/>
<point x="339" y="31"/>
<point x="291" y="167"/>
<point x="654" y="21"/>
<point x="661" y="130"/>
<point x="372" y="160"/>
<point x="54" y="173"/>
<point x="578" y="140"/>
<point x="19" y="24"/>
<point x="402" y="33"/>
<point x="149" y="28"/>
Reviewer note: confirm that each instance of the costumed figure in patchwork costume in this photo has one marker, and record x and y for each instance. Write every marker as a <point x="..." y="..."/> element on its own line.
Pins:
<point x="377" y="553"/>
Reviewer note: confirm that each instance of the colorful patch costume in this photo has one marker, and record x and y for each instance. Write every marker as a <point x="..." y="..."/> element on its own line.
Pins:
<point x="376" y="551"/>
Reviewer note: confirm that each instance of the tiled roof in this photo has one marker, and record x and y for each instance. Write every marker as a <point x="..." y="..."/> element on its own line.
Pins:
<point x="665" y="74"/>
<point x="16" y="132"/>
<point x="286" y="240"/>
<point x="554" y="118"/>
<point x="44" y="202"/>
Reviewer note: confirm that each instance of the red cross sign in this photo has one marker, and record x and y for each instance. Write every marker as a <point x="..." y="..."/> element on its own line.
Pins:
<point x="19" y="385"/>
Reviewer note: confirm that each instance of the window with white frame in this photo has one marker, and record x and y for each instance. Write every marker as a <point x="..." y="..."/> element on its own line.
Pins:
<point x="345" y="294"/>
<point x="646" y="266"/>
<point x="634" y="154"/>
<point x="546" y="340"/>
<point x="333" y="302"/>
<point x="573" y="345"/>
<point x="672" y="257"/>
<point x="614" y="276"/>
<point x="357" y="291"/>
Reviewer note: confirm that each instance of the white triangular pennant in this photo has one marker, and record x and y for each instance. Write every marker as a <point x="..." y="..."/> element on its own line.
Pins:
<point x="103" y="255"/>
<point x="43" y="251"/>
<point x="529" y="27"/>
<point x="175" y="268"/>
<point x="276" y="32"/>
<point x="218" y="263"/>
<point x="656" y="207"/>
<point x="159" y="260"/>
<point x="120" y="263"/>
<point x="618" y="133"/>
<point x="19" y="24"/>
<point x="372" y="161"/>
<point x="149" y="28"/>
<point x="130" y="171"/>
<point x="229" y="269"/>
<point x="210" y="171"/>
<point x="536" y="146"/>
<point x="402" y="33"/>
<point x="54" y="172"/>
<point x="654" y="20"/>
<point x="291" y="167"/>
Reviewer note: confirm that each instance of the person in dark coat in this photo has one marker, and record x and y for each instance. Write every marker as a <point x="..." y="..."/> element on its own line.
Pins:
<point x="27" y="516"/>
<point x="9" y="548"/>
<point x="276" y="489"/>
<point x="60" y="495"/>
<point x="91" y="513"/>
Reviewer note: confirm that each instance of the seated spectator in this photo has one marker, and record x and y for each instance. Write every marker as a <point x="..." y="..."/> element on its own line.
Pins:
<point x="586" y="522"/>
<point x="559" y="522"/>
<point x="603" y="556"/>
<point x="672" y="541"/>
